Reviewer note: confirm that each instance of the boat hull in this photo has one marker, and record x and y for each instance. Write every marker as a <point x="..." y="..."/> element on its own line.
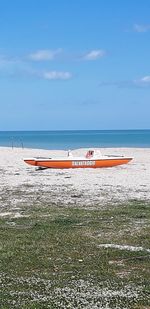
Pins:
<point x="65" y="164"/>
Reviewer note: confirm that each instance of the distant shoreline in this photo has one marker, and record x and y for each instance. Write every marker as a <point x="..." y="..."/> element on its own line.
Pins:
<point x="46" y="149"/>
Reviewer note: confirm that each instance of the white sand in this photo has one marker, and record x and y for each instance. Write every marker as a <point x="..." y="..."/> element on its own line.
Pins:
<point x="87" y="187"/>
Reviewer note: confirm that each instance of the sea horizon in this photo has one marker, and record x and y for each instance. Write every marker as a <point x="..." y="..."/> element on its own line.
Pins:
<point x="72" y="139"/>
<point x="60" y="130"/>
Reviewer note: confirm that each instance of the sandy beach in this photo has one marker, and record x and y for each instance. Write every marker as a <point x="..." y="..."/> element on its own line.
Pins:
<point x="76" y="236"/>
<point x="20" y="183"/>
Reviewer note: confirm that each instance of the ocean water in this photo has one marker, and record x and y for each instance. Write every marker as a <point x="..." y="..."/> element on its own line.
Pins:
<point x="75" y="139"/>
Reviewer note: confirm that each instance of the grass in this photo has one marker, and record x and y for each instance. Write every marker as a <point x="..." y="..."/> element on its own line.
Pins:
<point x="50" y="257"/>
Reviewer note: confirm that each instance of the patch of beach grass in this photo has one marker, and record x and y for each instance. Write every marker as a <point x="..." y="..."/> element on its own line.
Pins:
<point x="52" y="257"/>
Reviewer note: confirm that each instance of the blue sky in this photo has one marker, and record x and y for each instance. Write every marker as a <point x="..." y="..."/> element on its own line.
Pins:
<point x="79" y="64"/>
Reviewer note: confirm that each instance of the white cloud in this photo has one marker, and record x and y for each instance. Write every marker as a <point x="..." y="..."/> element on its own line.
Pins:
<point x="56" y="75"/>
<point x="146" y="79"/>
<point x="141" y="28"/>
<point x="6" y="61"/>
<point x="143" y="82"/>
<point x="17" y="68"/>
<point x="94" y="54"/>
<point x="44" y="54"/>
<point x="10" y="66"/>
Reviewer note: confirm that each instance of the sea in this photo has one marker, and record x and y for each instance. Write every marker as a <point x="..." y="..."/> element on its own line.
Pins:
<point x="74" y="139"/>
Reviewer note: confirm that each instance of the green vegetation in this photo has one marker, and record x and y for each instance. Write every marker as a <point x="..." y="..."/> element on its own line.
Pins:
<point x="51" y="257"/>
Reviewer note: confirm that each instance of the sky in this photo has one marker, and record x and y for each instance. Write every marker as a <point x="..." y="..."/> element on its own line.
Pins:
<point x="74" y="65"/>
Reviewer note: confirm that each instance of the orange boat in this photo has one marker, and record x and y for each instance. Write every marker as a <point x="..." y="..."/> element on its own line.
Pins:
<point x="93" y="159"/>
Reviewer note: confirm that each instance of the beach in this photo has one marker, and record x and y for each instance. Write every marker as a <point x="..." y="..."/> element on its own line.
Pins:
<point x="21" y="183"/>
<point x="76" y="238"/>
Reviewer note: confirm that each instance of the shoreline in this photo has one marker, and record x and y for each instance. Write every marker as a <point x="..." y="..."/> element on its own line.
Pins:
<point x="74" y="149"/>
